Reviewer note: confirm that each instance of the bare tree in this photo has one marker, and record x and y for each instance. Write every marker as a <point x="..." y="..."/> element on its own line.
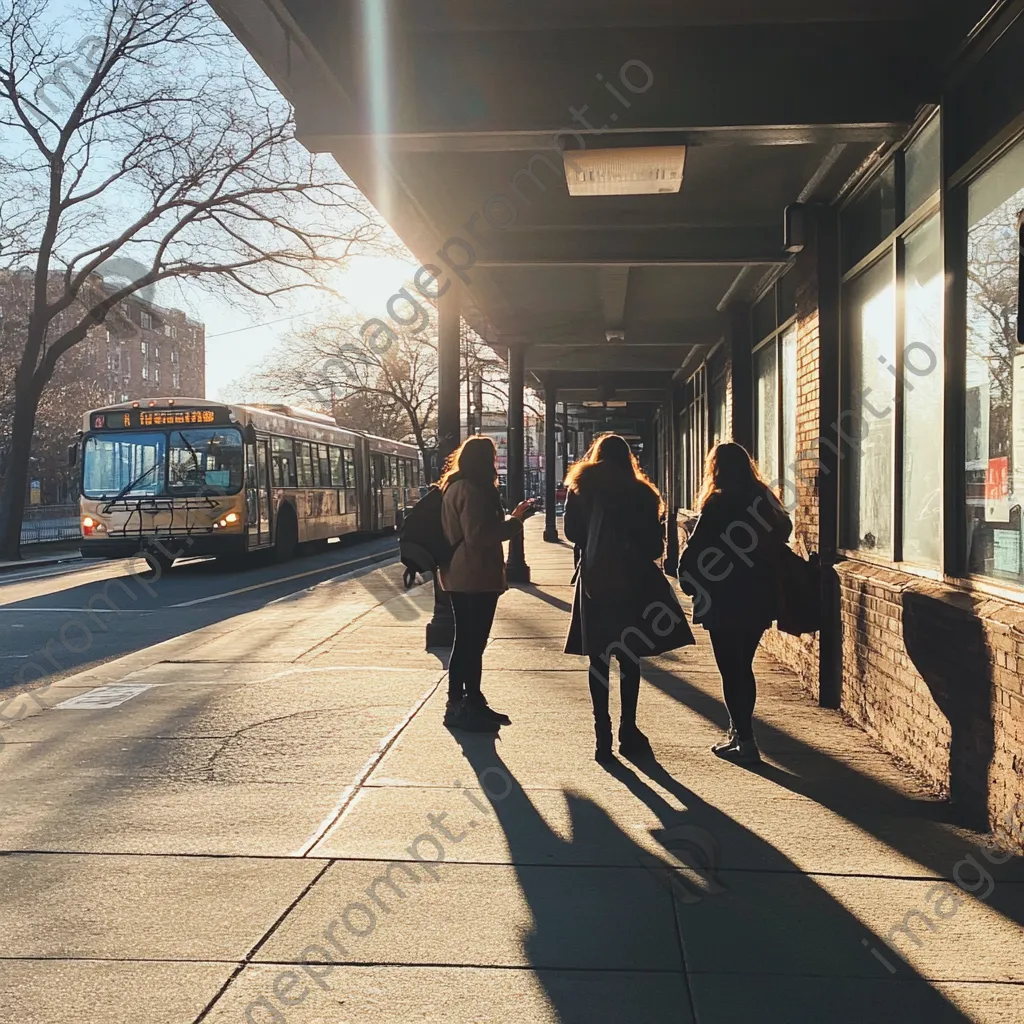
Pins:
<point x="153" y="143"/>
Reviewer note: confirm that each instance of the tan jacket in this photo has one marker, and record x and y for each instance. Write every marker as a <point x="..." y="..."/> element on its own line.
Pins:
<point x="470" y="514"/>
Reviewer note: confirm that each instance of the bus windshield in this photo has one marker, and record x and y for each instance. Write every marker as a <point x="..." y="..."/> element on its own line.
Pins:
<point x="179" y="462"/>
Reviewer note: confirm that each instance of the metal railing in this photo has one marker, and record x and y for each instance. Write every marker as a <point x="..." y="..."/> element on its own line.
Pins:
<point x="43" y="523"/>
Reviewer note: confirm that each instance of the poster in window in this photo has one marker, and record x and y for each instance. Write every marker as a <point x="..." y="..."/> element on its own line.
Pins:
<point x="1006" y="551"/>
<point x="997" y="490"/>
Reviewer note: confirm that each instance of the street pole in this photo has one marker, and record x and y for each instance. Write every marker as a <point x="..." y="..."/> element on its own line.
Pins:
<point x="441" y="627"/>
<point x="516" y="569"/>
<point x="550" y="413"/>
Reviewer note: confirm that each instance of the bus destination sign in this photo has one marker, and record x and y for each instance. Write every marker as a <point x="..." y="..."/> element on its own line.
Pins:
<point x="134" y="419"/>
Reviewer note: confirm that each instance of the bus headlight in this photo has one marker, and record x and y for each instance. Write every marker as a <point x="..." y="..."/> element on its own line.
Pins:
<point x="91" y="526"/>
<point x="231" y="517"/>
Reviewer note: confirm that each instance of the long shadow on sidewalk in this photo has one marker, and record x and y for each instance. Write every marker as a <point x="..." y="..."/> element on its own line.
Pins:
<point x="855" y="796"/>
<point x="738" y="934"/>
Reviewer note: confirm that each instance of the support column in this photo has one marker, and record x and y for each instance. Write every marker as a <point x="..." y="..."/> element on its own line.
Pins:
<point x="516" y="569"/>
<point x="738" y="339"/>
<point x="441" y="627"/>
<point x="565" y="438"/>
<point x="671" y="565"/>
<point x="828" y="274"/>
<point x="550" y="458"/>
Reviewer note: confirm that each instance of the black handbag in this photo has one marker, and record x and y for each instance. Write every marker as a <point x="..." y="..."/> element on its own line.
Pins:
<point x="799" y="587"/>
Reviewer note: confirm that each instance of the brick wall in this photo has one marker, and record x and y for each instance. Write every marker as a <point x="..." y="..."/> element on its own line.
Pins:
<point x="801" y="481"/>
<point x="936" y="676"/>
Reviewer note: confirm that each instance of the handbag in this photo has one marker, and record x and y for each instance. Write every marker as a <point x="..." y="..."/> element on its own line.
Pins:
<point x="799" y="588"/>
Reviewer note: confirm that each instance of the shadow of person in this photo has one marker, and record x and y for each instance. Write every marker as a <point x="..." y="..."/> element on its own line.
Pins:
<point x="946" y="642"/>
<point x="628" y="930"/>
<point x="535" y="591"/>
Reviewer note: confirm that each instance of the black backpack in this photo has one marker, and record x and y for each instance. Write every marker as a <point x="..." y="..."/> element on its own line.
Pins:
<point x="423" y="546"/>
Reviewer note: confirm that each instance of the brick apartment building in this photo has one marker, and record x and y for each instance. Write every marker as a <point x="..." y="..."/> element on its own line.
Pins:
<point x="143" y="350"/>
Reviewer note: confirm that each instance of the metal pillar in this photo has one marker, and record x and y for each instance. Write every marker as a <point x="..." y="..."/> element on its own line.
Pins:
<point x="516" y="569"/>
<point x="550" y="457"/>
<point x="738" y="336"/>
<point x="441" y="627"/>
<point x="671" y="565"/>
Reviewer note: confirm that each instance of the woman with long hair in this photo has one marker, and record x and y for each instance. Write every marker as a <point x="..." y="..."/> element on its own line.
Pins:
<point x="730" y="566"/>
<point x="623" y="606"/>
<point x="475" y="525"/>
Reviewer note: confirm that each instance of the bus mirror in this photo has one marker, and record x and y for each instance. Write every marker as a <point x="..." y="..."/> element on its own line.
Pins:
<point x="72" y="455"/>
<point x="249" y="433"/>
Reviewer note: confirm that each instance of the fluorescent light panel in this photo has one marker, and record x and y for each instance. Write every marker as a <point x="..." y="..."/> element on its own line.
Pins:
<point x="650" y="170"/>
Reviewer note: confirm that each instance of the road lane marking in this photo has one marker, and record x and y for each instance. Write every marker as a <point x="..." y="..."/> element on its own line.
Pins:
<point x="377" y="557"/>
<point x="104" y="697"/>
<point x="90" y="611"/>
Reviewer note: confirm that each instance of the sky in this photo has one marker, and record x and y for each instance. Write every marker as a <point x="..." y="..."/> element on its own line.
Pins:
<point x="239" y="343"/>
<point x="239" y="339"/>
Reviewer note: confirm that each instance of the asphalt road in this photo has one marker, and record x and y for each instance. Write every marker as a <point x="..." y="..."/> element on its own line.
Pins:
<point x="63" y="619"/>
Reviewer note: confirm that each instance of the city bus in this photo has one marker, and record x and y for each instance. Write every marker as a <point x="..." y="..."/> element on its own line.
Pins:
<point x="175" y="477"/>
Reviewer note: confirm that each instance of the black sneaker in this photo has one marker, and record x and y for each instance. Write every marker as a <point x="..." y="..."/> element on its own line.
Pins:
<point x="451" y="712"/>
<point x="739" y="752"/>
<point x="481" y="703"/>
<point x="470" y="717"/>
<point x="725" y="744"/>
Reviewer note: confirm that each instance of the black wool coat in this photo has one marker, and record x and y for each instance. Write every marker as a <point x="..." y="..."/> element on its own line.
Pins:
<point x="647" y="621"/>
<point x="730" y="563"/>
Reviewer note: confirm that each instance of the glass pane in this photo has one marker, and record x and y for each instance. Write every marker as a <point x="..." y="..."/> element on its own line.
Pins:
<point x="867" y="414"/>
<point x="132" y="463"/>
<point x="922" y="166"/>
<point x="767" y="411"/>
<point x="717" y="411"/>
<point x="764" y="322"/>
<point x="787" y="472"/>
<point x="922" y="397"/>
<point x="205" y="461"/>
<point x="995" y="373"/>
<point x="870" y="219"/>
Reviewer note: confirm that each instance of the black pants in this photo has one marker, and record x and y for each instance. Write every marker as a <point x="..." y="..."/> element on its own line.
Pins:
<point x="474" y="616"/>
<point x="734" y="649"/>
<point x="600" y="684"/>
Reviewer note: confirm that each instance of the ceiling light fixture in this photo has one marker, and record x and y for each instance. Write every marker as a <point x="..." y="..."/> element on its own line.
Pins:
<point x="650" y="170"/>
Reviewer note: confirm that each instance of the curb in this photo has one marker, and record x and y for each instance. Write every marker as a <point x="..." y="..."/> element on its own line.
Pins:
<point x="37" y="563"/>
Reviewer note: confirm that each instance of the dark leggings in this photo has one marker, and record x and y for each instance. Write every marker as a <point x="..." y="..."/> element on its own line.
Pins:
<point x="629" y="686"/>
<point x="734" y="651"/>
<point x="474" y="615"/>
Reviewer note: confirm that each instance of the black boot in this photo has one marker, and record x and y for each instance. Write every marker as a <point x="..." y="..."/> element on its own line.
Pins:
<point x="603" y="731"/>
<point x="633" y="744"/>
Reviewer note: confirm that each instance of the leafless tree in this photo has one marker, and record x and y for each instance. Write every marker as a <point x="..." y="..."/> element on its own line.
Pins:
<point x="149" y="142"/>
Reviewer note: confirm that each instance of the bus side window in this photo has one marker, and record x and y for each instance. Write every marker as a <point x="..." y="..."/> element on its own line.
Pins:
<point x="350" y="468"/>
<point x="337" y="466"/>
<point x="283" y="462"/>
<point x="315" y="467"/>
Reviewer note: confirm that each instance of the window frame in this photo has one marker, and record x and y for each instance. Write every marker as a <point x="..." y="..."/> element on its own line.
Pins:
<point x="893" y="249"/>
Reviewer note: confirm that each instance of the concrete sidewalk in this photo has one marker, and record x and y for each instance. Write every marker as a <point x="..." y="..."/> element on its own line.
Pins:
<point x="281" y="829"/>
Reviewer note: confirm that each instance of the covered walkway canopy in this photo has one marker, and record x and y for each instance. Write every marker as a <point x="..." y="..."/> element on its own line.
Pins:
<point x="455" y="117"/>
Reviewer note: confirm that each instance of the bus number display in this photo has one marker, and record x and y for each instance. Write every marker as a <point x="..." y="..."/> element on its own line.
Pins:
<point x="135" y="418"/>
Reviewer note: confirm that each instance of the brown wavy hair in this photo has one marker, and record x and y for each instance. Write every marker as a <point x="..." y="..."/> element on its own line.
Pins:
<point x="729" y="469"/>
<point x="610" y="451"/>
<point x="474" y="460"/>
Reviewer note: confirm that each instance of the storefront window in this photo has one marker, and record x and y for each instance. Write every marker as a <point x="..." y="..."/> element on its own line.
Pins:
<point x="922" y="396"/>
<point x="789" y="415"/>
<point x="868" y="410"/>
<point x="995" y="373"/>
<point x="767" y="398"/>
<point x="922" y="167"/>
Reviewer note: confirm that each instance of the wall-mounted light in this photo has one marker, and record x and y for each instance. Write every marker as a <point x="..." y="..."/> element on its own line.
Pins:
<point x="794" y="231"/>
<point x="641" y="171"/>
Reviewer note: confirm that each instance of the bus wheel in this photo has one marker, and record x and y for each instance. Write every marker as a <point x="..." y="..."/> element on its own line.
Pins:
<point x="287" y="534"/>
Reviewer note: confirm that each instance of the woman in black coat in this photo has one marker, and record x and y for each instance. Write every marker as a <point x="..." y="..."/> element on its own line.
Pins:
<point x="623" y="606"/>
<point x="730" y="567"/>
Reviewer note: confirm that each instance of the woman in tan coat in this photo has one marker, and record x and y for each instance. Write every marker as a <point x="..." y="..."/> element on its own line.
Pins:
<point x="475" y="525"/>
